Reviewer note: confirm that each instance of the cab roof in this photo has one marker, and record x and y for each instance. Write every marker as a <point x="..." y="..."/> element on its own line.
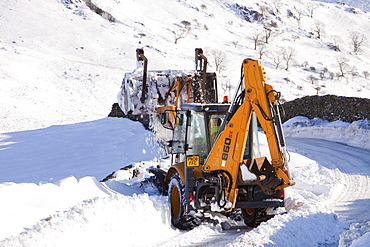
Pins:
<point x="212" y="107"/>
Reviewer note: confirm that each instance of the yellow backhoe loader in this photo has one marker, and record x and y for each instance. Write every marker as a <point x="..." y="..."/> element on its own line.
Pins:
<point x="216" y="161"/>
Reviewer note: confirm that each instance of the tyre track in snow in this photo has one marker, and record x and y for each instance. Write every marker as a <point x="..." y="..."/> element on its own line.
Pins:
<point x="353" y="202"/>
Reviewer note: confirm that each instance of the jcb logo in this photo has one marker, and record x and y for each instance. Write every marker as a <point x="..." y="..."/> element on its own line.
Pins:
<point x="226" y="149"/>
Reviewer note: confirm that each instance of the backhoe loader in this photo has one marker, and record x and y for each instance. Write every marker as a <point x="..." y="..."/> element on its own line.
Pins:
<point x="216" y="163"/>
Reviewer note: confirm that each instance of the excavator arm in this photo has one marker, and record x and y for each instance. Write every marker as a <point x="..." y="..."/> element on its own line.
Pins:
<point x="226" y="156"/>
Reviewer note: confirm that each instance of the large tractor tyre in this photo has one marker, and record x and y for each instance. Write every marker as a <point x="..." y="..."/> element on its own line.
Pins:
<point x="253" y="217"/>
<point x="250" y="216"/>
<point x="176" y="198"/>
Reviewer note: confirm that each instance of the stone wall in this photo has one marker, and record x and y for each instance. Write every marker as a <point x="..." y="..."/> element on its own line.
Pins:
<point x="328" y="107"/>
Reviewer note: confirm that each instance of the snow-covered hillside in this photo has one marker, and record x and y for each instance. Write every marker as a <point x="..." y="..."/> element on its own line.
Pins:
<point x="64" y="63"/>
<point x="61" y="66"/>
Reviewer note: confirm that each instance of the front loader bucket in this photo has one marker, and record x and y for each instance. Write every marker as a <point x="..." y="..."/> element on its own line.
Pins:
<point x="157" y="180"/>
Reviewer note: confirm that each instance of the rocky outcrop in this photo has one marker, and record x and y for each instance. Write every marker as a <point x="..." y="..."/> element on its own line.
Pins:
<point x="328" y="107"/>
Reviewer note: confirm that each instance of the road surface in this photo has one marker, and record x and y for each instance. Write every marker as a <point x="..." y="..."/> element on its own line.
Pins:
<point x="353" y="202"/>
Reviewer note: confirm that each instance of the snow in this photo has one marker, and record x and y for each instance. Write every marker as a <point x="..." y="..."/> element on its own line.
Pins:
<point x="79" y="210"/>
<point x="121" y="146"/>
<point x="355" y="134"/>
<point x="61" y="67"/>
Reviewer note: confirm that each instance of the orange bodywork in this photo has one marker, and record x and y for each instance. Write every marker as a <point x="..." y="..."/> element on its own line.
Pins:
<point x="227" y="153"/>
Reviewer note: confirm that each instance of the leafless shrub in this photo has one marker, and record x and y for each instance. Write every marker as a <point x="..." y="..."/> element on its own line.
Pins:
<point x="319" y="28"/>
<point x="277" y="59"/>
<point x="182" y="30"/>
<point x="357" y="40"/>
<point x="311" y="8"/>
<point x="256" y="37"/>
<point x="261" y="48"/>
<point x="312" y="79"/>
<point x="342" y="63"/>
<point x="219" y="60"/>
<point x="235" y="43"/>
<point x="288" y="56"/>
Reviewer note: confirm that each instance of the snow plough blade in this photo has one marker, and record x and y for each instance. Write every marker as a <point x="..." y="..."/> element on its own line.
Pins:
<point x="157" y="180"/>
<point x="144" y="93"/>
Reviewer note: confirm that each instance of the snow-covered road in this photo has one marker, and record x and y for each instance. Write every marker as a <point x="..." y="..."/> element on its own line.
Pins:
<point x="65" y="205"/>
<point x="353" y="200"/>
<point x="352" y="197"/>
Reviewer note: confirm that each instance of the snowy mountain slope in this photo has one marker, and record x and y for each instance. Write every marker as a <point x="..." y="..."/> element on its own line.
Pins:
<point x="361" y="4"/>
<point x="68" y="53"/>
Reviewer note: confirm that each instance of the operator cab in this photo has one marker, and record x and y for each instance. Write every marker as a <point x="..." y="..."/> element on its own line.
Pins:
<point x="197" y="127"/>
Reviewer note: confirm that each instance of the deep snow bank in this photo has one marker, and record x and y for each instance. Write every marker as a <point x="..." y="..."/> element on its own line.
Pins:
<point x="94" y="148"/>
<point x="31" y="202"/>
<point x="356" y="236"/>
<point x="116" y="220"/>
<point x="355" y="134"/>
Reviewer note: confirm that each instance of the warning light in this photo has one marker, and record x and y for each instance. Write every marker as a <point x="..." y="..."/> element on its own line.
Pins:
<point x="226" y="99"/>
<point x="282" y="194"/>
<point x="191" y="197"/>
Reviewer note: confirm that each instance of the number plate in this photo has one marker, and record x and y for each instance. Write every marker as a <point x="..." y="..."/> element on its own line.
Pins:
<point x="192" y="161"/>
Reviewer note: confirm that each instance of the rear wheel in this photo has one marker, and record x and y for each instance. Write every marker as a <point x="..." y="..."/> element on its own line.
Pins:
<point x="176" y="197"/>
<point x="249" y="216"/>
<point x="253" y="217"/>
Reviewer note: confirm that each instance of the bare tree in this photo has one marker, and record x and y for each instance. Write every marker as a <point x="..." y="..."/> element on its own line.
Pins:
<point x="268" y="33"/>
<point x="277" y="5"/>
<point x="277" y="59"/>
<point x="182" y="30"/>
<point x="311" y="8"/>
<point x="261" y="47"/>
<point x="288" y="56"/>
<point x="269" y="30"/>
<point x="357" y="40"/>
<point x="299" y="15"/>
<point x="342" y="64"/>
<point x="256" y="37"/>
<point x="336" y="42"/>
<point x="353" y="72"/>
<point x="225" y="84"/>
<point x="323" y="73"/>
<point x="219" y="59"/>
<point x="319" y="28"/>
<point x="312" y="79"/>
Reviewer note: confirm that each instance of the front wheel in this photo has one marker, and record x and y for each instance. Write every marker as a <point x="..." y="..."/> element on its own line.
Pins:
<point x="177" y="200"/>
